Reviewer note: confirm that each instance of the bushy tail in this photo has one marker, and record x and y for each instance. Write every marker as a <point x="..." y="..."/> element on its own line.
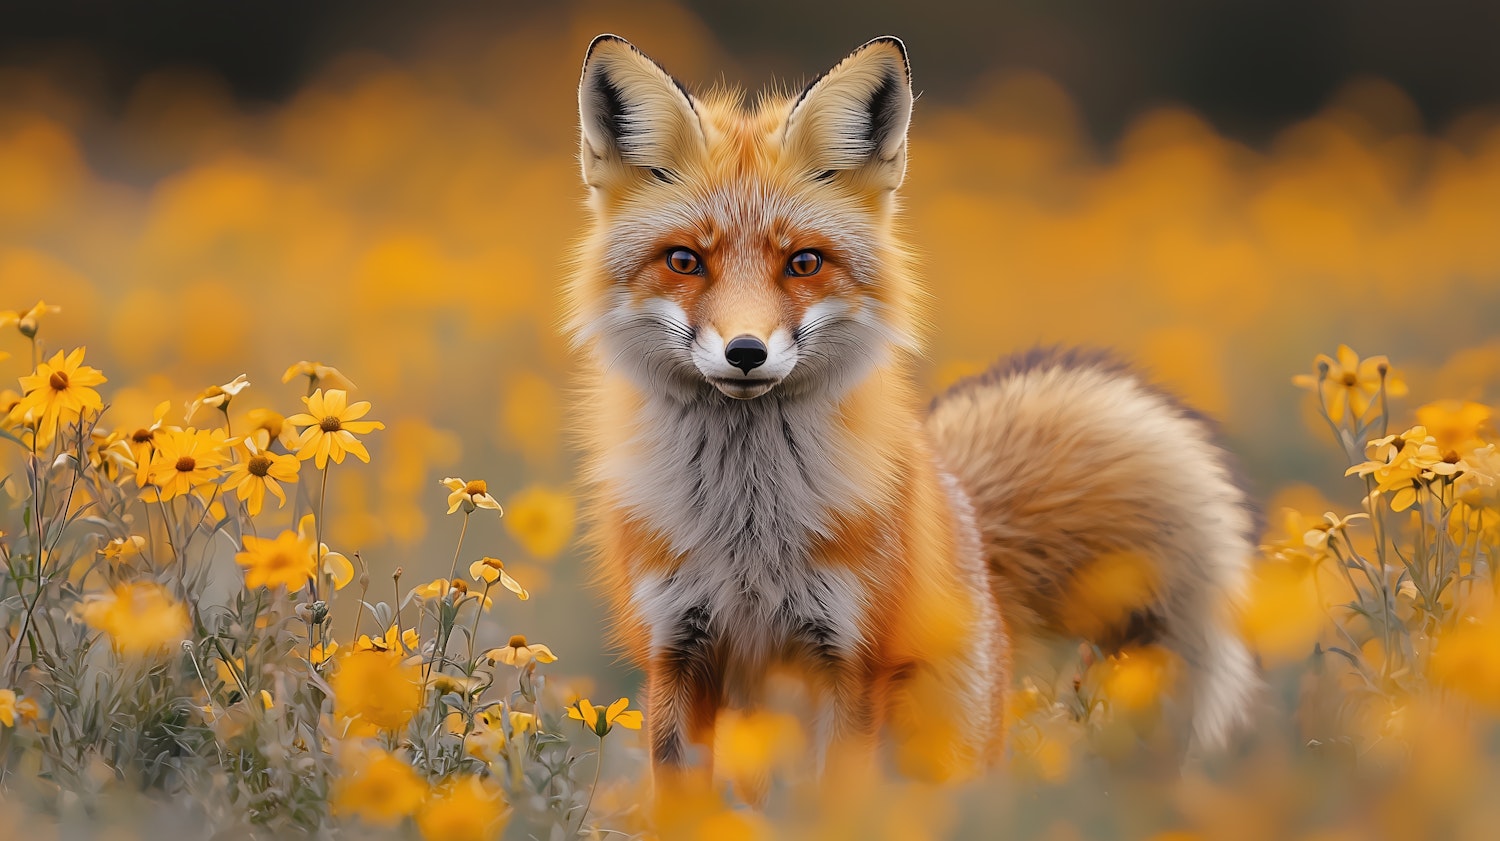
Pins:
<point x="1109" y="513"/>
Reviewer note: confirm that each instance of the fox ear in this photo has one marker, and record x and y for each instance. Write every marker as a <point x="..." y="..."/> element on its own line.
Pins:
<point x="854" y="117"/>
<point x="636" y="119"/>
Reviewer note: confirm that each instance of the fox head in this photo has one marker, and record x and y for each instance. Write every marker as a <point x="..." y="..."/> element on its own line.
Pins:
<point x="743" y="248"/>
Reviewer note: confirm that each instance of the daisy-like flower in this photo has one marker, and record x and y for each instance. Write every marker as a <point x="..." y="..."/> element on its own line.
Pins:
<point x="469" y="495"/>
<point x="28" y="322"/>
<point x="259" y="472"/>
<point x="286" y="561"/>
<point x="267" y="426"/>
<point x="518" y="653"/>
<point x="467" y="808"/>
<point x="321" y="652"/>
<point x="185" y="460"/>
<point x="1404" y="463"/>
<point x="332" y="422"/>
<point x="121" y="549"/>
<point x="381" y="789"/>
<point x="436" y="589"/>
<point x="142" y="443"/>
<point x="333" y="564"/>
<point x="392" y="641"/>
<point x="1458" y="425"/>
<point x="8" y="698"/>
<point x="61" y="390"/>
<point x="542" y="520"/>
<point x="109" y="453"/>
<point x="491" y="571"/>
<point x="600" y="721"/>
<point x="139" y="618"/>
<point x="318" y="376"/>
<point x="1351" y="383"/>
<point x="217" y="396"/>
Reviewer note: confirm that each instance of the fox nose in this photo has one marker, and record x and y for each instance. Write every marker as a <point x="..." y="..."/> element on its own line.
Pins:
<point x="745" y="353"/>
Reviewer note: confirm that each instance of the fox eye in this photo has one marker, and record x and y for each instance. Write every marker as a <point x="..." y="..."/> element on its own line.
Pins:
<point x="804" y="263"/>
<point x="683" y="261"/>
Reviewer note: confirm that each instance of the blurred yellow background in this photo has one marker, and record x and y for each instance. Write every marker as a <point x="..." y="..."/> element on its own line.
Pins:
<point x="410" y="220"/>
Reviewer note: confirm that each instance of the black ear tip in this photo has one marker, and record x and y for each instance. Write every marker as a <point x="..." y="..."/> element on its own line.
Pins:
<point x="606" y="38"/>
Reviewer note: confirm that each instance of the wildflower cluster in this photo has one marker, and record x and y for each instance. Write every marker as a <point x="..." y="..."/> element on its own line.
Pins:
<point x="170" y="599"/>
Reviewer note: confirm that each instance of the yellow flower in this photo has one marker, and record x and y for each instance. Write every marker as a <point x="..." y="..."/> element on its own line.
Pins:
<point x="139" y="618"/>
<point x="469" y="495"/>
<point x="456" y="684"/>
<point x="1283" y="614"/>
<point x="393" y="640"/>
<point x="266" y="701"/>
<point x="1457" y="425"/>
<point x="1464" y="659"/>
<point x="750" y="745"/>
<point x="488" y="736"/>
<point x="468" y="809"/>
<point x="436" y="589"/>
<point x="123" y="548"/>
<point x="1137" y="678"/>
<point x="517" y="653"/>
<point x="318" y="375"/>
<point x="1351" y="383"/>
<point x="267" y="426"/>
<point x="1404" y="462"/>
<point x="542" y="520"/>
<point x="377" y="687"/>
<point x="322" y="651"/>
<point x="491" y="570"/>
<point x="109" y="453"/>
<point x="185" y="460"/>
<point x="142" y="443"/>
<point x="335" y="565"/>
<point x="60" y="391"/>
<point x="258" y="472"/>
<point x="331" y="425"/>
<point x="8" y="707"/>
<point x="600" y="720"/>
<point x="381" y="790"/>
<point x="286" y="561"/>
<point x="217" y="396"/>
<point x="27" y="322"/>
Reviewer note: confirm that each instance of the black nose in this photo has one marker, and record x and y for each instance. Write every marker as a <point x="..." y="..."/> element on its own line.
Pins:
<point x="745" y="353"/>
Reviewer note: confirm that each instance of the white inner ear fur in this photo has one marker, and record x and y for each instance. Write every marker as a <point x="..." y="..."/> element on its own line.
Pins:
<point x="633" y="114"/>
<point x="856" y="116"/>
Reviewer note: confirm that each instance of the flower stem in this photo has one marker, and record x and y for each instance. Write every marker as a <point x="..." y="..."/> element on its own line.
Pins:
<point x="461" y="532"/>
<point x="593" y="787"/>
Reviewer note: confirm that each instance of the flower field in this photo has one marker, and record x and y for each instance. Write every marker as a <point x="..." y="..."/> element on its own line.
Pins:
<point x="289" y="536"/>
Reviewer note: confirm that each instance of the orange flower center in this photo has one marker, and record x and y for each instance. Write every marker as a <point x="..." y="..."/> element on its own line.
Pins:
<point x="518" y="641"/>
<point x="330" y="424"/>
<point x="259" y="465"/>
<point x="186" y="464"/>
<point x="478" y="487"/>
<point x="142" y="436"/>
<point x="58" y="381"/>
<point x="1349" y="379"/>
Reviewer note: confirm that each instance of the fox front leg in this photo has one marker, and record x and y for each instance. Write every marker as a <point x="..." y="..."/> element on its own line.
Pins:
<point x="683" y="690"/>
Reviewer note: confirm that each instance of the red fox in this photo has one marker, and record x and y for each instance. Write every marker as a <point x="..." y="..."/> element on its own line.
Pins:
<point x="768" y="490"/>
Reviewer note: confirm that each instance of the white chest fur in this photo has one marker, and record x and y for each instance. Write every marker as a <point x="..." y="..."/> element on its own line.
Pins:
<point x="743" y="490"/>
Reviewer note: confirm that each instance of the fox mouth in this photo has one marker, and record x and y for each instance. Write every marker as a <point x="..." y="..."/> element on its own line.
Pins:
<point x="746" y="389"/>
